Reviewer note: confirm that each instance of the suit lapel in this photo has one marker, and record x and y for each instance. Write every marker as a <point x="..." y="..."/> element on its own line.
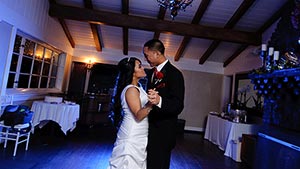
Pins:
<point x="151" y="81"/>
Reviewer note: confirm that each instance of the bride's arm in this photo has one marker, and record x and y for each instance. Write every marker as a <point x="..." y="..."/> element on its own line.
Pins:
<point x="132" y="97"/>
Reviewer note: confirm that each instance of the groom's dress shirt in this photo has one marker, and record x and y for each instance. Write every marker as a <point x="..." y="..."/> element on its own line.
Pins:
<point x="158" y="68"/>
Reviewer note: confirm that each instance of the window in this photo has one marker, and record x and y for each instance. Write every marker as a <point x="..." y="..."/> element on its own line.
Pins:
<point x="33" y="64"/>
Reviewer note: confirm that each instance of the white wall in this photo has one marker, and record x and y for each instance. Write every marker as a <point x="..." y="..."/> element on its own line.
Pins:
<point x="31" y="17"/>
<point x="202" y="95"/>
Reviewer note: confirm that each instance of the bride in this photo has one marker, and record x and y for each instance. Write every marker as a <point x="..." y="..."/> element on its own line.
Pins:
<point x="129" y="150"/>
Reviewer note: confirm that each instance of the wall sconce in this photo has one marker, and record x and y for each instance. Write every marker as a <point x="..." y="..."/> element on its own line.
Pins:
<point x="89" y="65"/>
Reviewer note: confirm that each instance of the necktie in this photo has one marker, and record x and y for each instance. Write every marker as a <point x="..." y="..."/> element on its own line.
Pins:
<point x="153" y="74"/>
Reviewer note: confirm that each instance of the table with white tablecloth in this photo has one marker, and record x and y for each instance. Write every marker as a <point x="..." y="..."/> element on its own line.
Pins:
<point x="227" y="134"/>
<point x="65" y="115"/>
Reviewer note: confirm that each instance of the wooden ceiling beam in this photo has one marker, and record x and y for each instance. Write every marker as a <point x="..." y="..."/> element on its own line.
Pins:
<point x="125" y="11"/>
<point x="96" y="35"/>
<point x="125" y="40"/>
<point x="67" y="32"/>
<point x="243" y="8"/>
<point x="213" y="46"/>
<point x="160" y="16"/>
<point x="273" y="18"/>
<point x="202" y="8"/>
<point x="125" y="7"/>
<point x="65" y="27"/>
<point x="137" y="22"/>
<point x="261" y="30"/>
<point x="246" y="4"/>
<point x="182" y="47"/>
<point x="235" y="54"/>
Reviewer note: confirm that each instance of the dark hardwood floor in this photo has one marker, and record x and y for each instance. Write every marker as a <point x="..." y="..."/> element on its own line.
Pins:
<point x="90" y="148"/>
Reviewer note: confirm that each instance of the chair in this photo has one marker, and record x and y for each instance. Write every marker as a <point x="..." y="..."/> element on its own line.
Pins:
<point x="5" y="101"/>
<point x="19" y="134"/>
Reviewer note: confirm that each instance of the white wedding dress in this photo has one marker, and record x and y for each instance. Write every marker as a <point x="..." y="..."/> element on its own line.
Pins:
<point x="129" y="150"/>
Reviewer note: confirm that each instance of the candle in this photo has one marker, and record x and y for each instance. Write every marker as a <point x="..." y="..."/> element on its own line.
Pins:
<point x="263" y="47"/>
<point x="276" y="55"/>
<point x="271" y="50"/>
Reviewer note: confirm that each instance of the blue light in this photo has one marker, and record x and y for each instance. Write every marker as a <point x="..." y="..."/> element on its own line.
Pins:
<point x="280" y="141"/>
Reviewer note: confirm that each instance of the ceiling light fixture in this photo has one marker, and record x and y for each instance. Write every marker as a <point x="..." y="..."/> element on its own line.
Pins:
<point x="174" y="5"/>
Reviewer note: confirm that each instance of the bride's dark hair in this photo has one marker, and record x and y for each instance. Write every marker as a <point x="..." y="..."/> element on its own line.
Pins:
<point x="124" y="78"/>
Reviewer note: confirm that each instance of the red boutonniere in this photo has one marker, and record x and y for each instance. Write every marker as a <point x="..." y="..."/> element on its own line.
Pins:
<point x="158" y="76"/>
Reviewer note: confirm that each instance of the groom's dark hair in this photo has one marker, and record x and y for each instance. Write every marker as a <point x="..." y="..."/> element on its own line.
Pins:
<point x="155" y="44"/>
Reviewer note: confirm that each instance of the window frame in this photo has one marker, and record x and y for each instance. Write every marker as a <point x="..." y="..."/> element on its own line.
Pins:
<point x="54" y="54"/>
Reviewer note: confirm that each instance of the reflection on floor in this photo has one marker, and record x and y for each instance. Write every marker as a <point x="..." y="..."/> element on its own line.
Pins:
<point x="90" y="148"/>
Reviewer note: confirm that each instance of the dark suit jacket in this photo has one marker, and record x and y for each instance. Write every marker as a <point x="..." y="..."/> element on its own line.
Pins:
<point x="162" y="121"/>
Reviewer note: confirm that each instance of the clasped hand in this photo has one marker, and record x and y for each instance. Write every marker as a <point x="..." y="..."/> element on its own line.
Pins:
<point x="153" y="96"/>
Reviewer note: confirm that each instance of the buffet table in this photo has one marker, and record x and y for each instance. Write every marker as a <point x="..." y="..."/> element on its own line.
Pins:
<point x="65" y="115"/>
<point x="228" y="135"/>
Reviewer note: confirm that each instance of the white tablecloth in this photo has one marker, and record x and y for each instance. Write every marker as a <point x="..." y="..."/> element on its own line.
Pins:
<point x="65" y="115"/>
<point x="228" y="135"/>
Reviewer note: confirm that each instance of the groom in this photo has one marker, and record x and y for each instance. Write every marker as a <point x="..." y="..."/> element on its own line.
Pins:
<point x="168" y="83"/>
